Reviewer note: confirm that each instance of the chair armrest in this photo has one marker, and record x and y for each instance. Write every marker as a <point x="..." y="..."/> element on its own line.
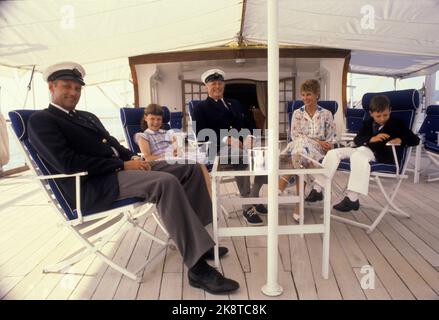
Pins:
<point x="348" y="134"/>
<point x="392" y="144"/>
<point x="77" y="187"/>
<point x="58" y="176"/>
<point x="52" y="176"/>
<point x="421" y="137"/>
<point x="346" y="138"/>
<point x="199" y="143"/>
<point x="312" y="160"/>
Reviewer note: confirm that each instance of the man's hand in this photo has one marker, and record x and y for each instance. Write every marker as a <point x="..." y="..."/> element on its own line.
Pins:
<point x="136" y="164"/>
<point x="379" y="137"/>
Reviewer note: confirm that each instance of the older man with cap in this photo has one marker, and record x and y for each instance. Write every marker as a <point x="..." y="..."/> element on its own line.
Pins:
<point x="70" y="141"/>
<point x="219" y="114"/>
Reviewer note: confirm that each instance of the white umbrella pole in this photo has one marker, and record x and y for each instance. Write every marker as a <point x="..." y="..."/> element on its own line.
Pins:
<point x="272" y="288"/>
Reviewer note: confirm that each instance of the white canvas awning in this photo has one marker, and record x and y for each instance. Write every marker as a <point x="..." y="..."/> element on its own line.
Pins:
<point x="388" y="37"/>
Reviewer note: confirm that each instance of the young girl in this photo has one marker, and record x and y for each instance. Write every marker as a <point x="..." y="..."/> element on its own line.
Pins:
<point x="156" y="142"/>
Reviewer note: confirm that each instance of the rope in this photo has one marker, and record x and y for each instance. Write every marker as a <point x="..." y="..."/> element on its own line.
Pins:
<point x="29" y="86"/>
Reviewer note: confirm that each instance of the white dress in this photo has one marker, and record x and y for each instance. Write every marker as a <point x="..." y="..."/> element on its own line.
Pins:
<point x="305" y="131"/>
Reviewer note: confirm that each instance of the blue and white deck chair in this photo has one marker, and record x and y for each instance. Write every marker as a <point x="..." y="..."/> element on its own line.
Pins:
<point x="191" y="130"/>
<point x="177" y="120"/>
<point x="86" y="225"/>
<point x="430" y="132"/>
<point x="131" y="117"/>
<point x="291" y="106"/>
<point x="404" y="104"/>
<point x="354" y="122"/>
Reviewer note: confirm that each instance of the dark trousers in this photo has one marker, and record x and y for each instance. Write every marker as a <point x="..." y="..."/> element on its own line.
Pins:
<point x="183" y="203"/>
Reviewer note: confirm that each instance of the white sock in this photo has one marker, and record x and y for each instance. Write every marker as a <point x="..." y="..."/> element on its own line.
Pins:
<point x="317" y="187"/>
<point x="352" y="195"/>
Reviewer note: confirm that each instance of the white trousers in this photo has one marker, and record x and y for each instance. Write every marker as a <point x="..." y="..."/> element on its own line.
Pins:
<point x="360" y="167"/>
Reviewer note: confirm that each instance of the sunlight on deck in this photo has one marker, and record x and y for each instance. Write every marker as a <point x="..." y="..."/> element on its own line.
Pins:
<point x="404" y="254"/>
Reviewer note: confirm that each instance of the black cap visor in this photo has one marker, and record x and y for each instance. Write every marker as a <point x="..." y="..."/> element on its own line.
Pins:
<point x="214" y="77"/>
<point x="67" y="74"/>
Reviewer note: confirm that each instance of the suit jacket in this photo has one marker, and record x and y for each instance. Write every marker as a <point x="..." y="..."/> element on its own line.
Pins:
<point x="211" y="114"/>
<point x="73" y="144"/>
<point x="395" y="128"/>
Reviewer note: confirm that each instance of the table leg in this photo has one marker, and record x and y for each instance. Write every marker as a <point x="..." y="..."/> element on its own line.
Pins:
<point x="417" y="164"/>
<point x="326" y="232"/>
<point x="301" y="195"/>
<point x="215" y="206"/>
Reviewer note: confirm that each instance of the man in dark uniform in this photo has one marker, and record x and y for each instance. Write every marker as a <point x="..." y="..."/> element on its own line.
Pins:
<point x="219" y="114"/>
<point x="71" y="141"/>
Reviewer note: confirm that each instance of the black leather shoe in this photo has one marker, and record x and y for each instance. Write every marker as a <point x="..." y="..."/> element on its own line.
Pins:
<point x="261" y="209"/>
<point x="212" y="281"/>
<point x="252" y="218"/>
<point x="314" y="196"/>
<point x="209" y="255"/>
<point x="347" y="205"/>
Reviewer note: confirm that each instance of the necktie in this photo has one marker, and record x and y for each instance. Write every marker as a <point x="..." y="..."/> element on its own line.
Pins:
<point x="225" y="104"/>
<point x="82" y="119"/>
<point x="375" y="128"/>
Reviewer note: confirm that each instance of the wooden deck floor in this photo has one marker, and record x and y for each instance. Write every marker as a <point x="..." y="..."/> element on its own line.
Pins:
<point x="404" y="254"/>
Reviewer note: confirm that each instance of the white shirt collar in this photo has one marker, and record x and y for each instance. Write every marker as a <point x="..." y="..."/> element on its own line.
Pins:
<point x="154" y="132"/>
<point x="60" y="108"/>
<point x="216" y="100"/>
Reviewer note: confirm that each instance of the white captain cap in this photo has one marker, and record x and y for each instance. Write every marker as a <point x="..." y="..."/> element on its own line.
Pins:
<point x="66" y="71"/>
<point x="213" y="75"/>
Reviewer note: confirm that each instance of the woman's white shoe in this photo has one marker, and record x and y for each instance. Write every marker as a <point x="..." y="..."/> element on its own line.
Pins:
<point x="296" y="217"/>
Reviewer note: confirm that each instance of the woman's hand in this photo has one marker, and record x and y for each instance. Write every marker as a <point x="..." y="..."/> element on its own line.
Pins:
<point x="326" y="146"/>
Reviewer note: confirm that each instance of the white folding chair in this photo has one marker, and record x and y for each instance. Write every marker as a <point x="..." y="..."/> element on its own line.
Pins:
<point x="93" y="229"/>
<point x="354" y="121"/>
<point x="404" y="105"/>
<point x="430" y="134"/>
